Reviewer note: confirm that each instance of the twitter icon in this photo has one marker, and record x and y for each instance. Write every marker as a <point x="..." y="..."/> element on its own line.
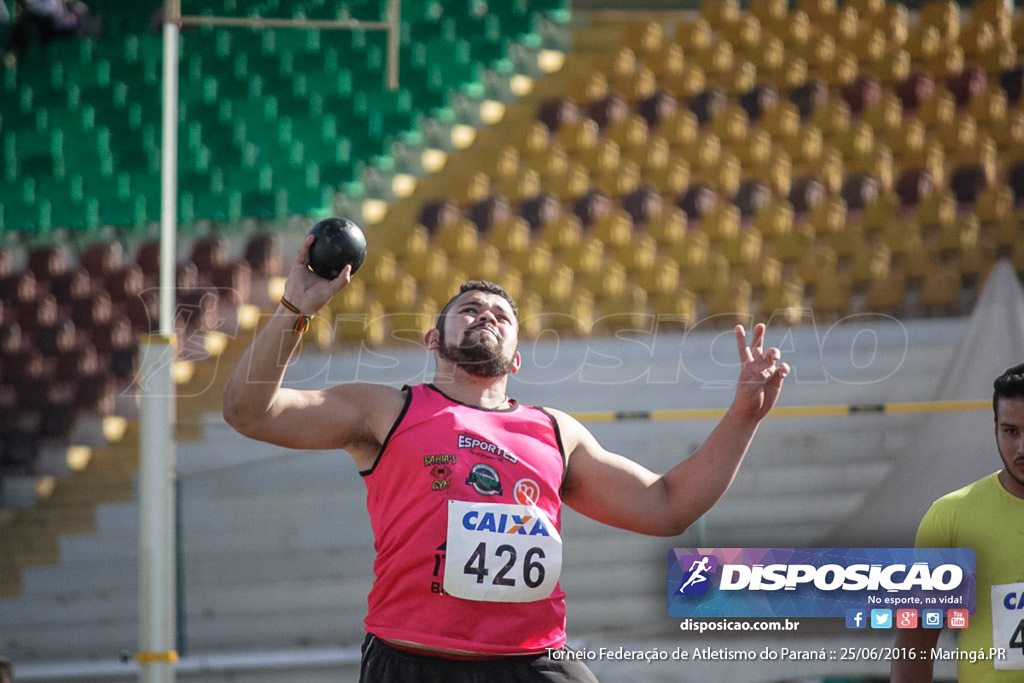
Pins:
<point x="881" y="618"/>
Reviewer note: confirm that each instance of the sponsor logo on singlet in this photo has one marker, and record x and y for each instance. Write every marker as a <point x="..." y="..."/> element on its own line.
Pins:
<point x="484" y="480"/>
<point x="440" y="472"/>
<point x="481" y="446"/>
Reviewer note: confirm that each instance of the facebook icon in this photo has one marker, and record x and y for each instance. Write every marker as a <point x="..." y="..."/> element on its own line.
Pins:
<point x="856" y="618"/>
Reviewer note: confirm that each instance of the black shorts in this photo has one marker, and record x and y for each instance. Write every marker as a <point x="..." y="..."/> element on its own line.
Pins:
<point x="385" y="664"/>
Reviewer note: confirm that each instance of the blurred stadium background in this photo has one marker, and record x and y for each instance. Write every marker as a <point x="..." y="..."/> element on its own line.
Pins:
<point x="640" y="179"/>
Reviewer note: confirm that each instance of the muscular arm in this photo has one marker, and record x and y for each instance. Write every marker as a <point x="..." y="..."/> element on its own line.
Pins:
<point x="355" y="417"/>
<point x="921" y="669"/>
<point x="618" y="491"/>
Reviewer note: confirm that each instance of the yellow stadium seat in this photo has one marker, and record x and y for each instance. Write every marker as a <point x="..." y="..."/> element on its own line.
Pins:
<point x="797" y="30"/>
<point x="656" y="155"/>
<point x="627" y="311"/>
<point x="931" y="158"/>
<point x="603" y="157"/>
<point x="943" y="15"/>
<point x="907" y="138"/>
<point x="531" y="319"/>
<point x="678" y="76"/>
<point x="398" y="295"/>
<point x="784" y="301"/>
<point x="457" y="238"/>
<point x="639" y="255"/>
<point x="782" y="122"/>
<point x="555" y="285"/>
<point x="704" y="153"/>
<point x="867" y="8"/>
<point x="846" y="241"/>
<point x="720" y="13"/>
<point x="731" y="303"/>
<point x="745" y="35"/>
<point x="662" y="277"/>
<point x="410" y="244"/>
<point x="368" y="326"/>
<point x="562" y="233"/>
<point x="790" y="247"/>
<point x="483" y="264"/>
<point x="668" y="226"/>
<point x="443" y="286"/>
<point x="895" y="68"/>
<point x="769" y="57"/>
<point x="821" y="50"/>
<point x="731" y="125"/>
<point x="903" y="237"/>
<point x="841" y="71"/>
<point x="607" y="283"/>
<point x="941" y="288"/>
<point x="994" y="204"/>
<point x="680" y="128"/>
<point x="617" y="182"/>
<point x="889" y="294"/>
<point x="881" y="212"/>
<point x="692" y="253"/>
<point x="694" y="36"/>
<point x="569" y="185"/>
<point x="828" y="217"/>
<point x="671" y="180"/>
<point x="764" y="273"/>
<point x="575" y="136"/>
<point x="614" y="229"/>
<point x="645" y="38"/>
<point x="771" y="13"/>
<point x="1006" y="234"/>
<point x="937" y="209"/>
<point x="722" y="224"/>
<point x="430" y="265"/>
<point x="676" y="309"/>
<point x="585" y="258"/>
<point x="575" y="315"/>
<point x="775" y="220"/>
<point x="884" y="114"/>
<point x="818" y="262"/>
<point x="380" y="268"/>
<point x="960" y="235"/>
<point x="629" y="133"/>
<point x="744" y="249"/>
<point x="350" y="300"/>
<point x="511" y="236"/>
<point x="832" y="297"/>
<point x="707" y="276"/>
<point x="818" y="10"/>
<point x="870" y="262"/>
<point x="833" y="118"/>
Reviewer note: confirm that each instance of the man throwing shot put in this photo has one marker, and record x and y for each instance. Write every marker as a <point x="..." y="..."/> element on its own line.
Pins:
<point x="987" y="516"/>
<point x="493" y="610"/>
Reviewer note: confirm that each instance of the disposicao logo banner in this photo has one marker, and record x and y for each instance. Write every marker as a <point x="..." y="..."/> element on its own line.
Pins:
<point x="816" y="582"/>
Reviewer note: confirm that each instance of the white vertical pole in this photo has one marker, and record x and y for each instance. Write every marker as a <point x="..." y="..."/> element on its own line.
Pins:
<point x="157" y="616"/>
<point x="169" y="169"/>
<point x="157" y="571"/>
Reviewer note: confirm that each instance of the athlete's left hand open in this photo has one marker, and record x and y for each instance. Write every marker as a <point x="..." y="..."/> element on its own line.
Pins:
<point x="761" y="374"/>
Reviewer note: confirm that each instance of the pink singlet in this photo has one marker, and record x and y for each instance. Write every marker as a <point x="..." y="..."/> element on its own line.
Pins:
<point x="480" y="487"/>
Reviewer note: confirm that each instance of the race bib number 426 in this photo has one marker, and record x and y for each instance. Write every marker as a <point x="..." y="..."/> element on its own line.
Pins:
<point x="499" y="552"/>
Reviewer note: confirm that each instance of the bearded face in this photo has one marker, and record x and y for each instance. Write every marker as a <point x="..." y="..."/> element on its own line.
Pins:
<point x="479" y="352"/>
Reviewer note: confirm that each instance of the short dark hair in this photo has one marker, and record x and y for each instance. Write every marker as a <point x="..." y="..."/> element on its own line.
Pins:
<point x="1010" y="384"/>
<point x="476" y="286"/>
